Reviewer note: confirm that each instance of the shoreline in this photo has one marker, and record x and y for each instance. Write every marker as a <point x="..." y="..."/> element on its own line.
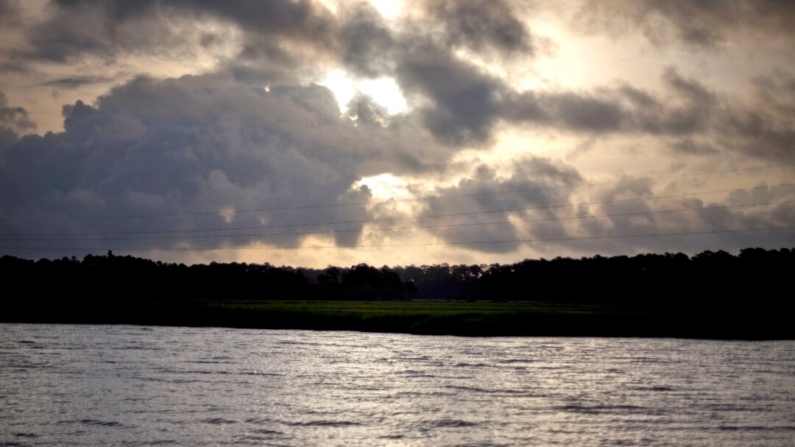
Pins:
<point x="479" y="319"/>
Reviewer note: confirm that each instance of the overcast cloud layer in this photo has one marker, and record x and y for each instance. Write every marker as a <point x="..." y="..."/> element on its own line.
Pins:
<point x="194" y="130"/>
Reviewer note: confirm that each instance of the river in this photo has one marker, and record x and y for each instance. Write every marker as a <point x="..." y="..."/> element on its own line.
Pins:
<point x="129" y="386"/>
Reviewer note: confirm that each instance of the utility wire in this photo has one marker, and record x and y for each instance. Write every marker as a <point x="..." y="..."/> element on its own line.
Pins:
<point x="331" y="232"/>
<point x="200" y="213"/>
<point x="394" y="219"/>
<point x="511" y="241"/>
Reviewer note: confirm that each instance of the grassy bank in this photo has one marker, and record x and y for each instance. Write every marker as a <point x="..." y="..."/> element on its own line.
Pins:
<point x="431" y="318"/>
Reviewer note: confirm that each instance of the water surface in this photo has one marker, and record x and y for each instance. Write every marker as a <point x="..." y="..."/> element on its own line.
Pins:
<point x="126" y="385"/>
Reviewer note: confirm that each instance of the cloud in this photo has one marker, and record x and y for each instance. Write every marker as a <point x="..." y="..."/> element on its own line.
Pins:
<point x="610" y="110"/>
<point x="459" y="102"/>
<point x="482" y="25"/>
<point x="302" y="20"/>
<point x="173" y="29"/>
<point x="204" y="143"/>
<point x="7" y="138"/>
<point x="689" y="146"/>
<point x="221" y="143"/>
<point x="703" y="24"/>
<point x="463" y="100"/>
<point x="764" y="128"/>
<point x="253" y="132"/>
<point x="627" y="218"/>
<point x="77" y="28"/>
<point x="488" y="197"/>
<point x="356" y="36"/>
<point x="9" y="12"/>
<point x="457" y="98"/>
<point x="583" y="112"/>
<point x="366" y="45"/>
<point x="73" y="82"/>
<point x="582" y="148"/>
<point x="14" y="118"/>
<point x="701" y="121"/>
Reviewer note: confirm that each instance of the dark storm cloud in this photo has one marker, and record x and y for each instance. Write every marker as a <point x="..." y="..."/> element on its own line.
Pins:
<point x="83" y="28"/>
<point x="465" y="103"/>
<point x="9" y="125"/>
<point x="583" y="112"/>
<point x="689" y="146"/>
<point x="631" y="209"/>
<point x="301" y="19"/>
<point x="460" y="98"/>
<point x="9" y="12"/>
<point x="759" y="134"/>
<point x="366" y="45"/>
<point x="687" y="109"/>
<point x="211" y="142"/>
<point x="73" y="82"/>
<point x="704" y="23"/>
<point x="778" y="214"/>
<point x="14" y="118"/>
<point x="7" y="138"/>
<point x="705" y="122"/>
<point x="106" y="27"/>
<point x="459" y="101"/>
<point x="700" y="121"/>
<point x="463" y="99"/>
<point x="764" y="127"/>
<point x="615" y="202"/>
<point x="263" y="75"/>
<point x="535" y="183"/>
<point x="358" y="36"/>
<point x="482" y="25"/>
<point x="691" y="89"/>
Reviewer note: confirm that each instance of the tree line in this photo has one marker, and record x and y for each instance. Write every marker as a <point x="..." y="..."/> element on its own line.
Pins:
<point x="756" y="275"/>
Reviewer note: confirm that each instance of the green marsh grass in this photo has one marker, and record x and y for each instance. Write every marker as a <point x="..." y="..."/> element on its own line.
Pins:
<point x="482" y="318"/>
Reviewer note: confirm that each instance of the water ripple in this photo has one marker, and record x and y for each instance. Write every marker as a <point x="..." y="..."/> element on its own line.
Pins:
<point x="135" y="386"/>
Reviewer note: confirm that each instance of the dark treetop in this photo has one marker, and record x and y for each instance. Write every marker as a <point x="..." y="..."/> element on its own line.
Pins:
<point x="709" y="295"/>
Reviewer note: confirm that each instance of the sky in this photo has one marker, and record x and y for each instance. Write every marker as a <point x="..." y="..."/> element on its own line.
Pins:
<point x="325" y="132"/>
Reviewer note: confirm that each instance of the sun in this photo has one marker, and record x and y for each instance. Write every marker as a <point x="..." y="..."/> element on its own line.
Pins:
<point x="384" y="91"/>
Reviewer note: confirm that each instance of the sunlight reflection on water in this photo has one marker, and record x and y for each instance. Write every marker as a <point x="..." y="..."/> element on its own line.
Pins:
<point x="124" y="385"/>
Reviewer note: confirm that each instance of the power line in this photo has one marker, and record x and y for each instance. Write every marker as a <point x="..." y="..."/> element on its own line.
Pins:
<point x="200" y="213"/>
<point x="393" y="219"/>
<point x="511" y="241"/>
<point x="330" y="232"/>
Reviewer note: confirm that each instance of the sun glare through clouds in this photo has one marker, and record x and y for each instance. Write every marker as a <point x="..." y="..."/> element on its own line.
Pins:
<point x="384" y="92"/>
